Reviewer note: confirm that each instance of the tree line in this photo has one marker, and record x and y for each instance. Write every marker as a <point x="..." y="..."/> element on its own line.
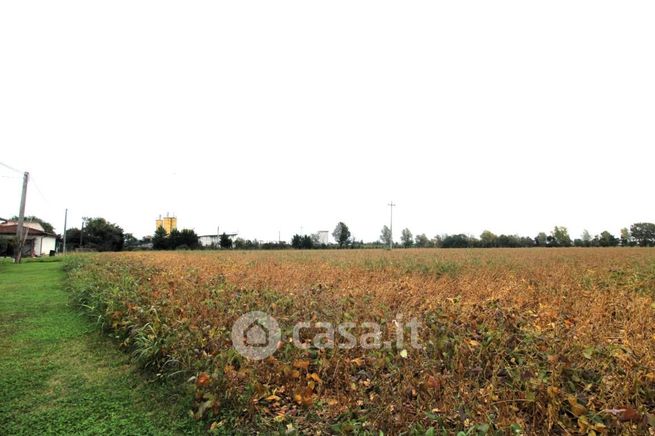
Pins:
<point x="639" y="234"/>
<point x="98" y="234"/>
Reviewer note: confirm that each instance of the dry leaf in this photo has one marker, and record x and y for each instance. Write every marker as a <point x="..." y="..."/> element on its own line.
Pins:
<point x="203" y="379"/>
<point x="301" y="364"/>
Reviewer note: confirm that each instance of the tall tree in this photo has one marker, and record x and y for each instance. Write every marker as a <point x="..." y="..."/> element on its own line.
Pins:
<point x="385" y="236"/>
<point x="422" y="241"/>
<point x="606" y="239"/>
<point x="561" y="237"/>
<point x="437" y="240"/>
<point x="225" y="241"/>
<point x="101" y="235"/>
<point x="188" y="239"/>
<point x="160" y="239"/>
<point x="626" y="238"/>
<point x="488" y="239"/>
<point x="586" y="238"/>
<point x="541" y="239"/>
<point x="174" y="239"/>
<point x="643" y="234"/>
<point x="407" y="238"/>
<point x="341" y="234"/>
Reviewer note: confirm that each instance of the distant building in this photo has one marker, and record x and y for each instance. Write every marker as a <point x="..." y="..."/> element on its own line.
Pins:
<point x="169" y="223"/>
<point x="215" y="240"/>
<point x="323" y="236"/>
<point x="38" y="242"/>
<point x="209" y="240"/>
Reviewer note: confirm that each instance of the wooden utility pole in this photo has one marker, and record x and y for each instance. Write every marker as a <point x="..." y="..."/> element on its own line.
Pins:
<point x="65" y="222"/>
<point x="21" y="218"/>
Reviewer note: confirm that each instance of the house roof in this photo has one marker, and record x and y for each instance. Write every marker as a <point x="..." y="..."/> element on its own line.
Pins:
<point x="35" y="229"/>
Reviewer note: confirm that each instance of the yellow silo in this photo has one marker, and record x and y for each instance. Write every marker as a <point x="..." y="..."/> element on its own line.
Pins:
<point x="169" y="223"/>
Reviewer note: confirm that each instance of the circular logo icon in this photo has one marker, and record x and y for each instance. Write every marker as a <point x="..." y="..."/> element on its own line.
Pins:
<point x="255" y="335"/>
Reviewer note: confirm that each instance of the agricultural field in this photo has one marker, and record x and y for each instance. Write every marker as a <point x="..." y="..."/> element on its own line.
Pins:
<point x="503" y="341"/>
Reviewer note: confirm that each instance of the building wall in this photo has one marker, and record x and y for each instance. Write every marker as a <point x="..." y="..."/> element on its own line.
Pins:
<point x="323" y="237"/>
<point x="43" y="245"/>
<point x="37" y="245"/>
<point x="48" y="243"/>
<point x="208" y="240"/>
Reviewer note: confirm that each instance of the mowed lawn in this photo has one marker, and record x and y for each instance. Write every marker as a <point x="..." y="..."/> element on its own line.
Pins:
<point x="59" y="375"/>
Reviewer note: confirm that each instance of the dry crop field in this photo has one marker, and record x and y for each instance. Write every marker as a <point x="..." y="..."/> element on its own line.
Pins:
<point x="534" y="341"/>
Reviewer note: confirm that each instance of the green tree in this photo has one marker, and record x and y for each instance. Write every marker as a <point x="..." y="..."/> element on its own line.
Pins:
<point x="456" y="241"/>
<point x="407" y="238"/>
<point x="225" y="241"/>
<point x="101" y="235"/>
<point x="606" y="239"/>
<point x="509" y="241"/>
<point x="46" y="225"/>
<point x="437" y="241"/>
<point x="541" y="239"/>
<point x="626" y="238"/>
<point x="488" y="239"/>
<point x="240" y="244"/>
<point x="129" y="241"/>
<point x="643" y="234"/>
<point x="561" y="237"/>
<point x="174" y="239"/>
<point x="385" y="236"/>
<point x="422" y="241"/>
<point x="73" y="238"/>
<point x="305" y="242"/>
<point x="341" y="234"/>
<point x="189" y="239"/>
<point x="160" y="239"/>
<point x="586" y="238"/>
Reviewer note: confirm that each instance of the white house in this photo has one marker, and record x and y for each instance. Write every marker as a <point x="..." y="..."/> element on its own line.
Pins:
<point x="212" y="240"/>
<point x="38" y="242"/>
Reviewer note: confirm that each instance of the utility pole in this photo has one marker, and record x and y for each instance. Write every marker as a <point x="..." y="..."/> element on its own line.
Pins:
<point x="21" y="217"/>
<point x="65" y="222"/>
<point x="391" y="205"/>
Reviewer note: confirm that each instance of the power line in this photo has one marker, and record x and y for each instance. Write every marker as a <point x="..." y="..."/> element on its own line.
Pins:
<point x="36" y="185"/>
<point x="11" y="168"/>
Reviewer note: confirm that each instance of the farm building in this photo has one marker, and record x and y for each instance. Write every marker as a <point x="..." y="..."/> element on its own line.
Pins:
<point x="213" y="240"/>
<point x="323" y="237"/>
<point x="38" y="242"/>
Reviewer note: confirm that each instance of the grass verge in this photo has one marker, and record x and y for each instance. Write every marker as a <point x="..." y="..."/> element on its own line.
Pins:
<point x="58" y="375"/>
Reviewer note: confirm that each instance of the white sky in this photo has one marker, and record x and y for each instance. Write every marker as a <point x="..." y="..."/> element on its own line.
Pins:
<point x="271" y="116"/>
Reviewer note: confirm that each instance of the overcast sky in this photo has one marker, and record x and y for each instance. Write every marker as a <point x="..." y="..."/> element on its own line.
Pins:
<point x="261" y="117"/>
